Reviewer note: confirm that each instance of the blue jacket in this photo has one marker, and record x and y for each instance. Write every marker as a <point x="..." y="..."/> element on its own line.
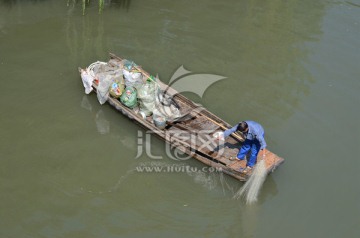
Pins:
<point x="256" y="131"/>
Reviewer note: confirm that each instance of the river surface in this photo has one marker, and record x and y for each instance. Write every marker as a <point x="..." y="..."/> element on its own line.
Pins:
<point x="67" y="164"/>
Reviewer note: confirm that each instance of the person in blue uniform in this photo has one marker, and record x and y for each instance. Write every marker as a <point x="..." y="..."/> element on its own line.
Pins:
<point x="254" y="141"/>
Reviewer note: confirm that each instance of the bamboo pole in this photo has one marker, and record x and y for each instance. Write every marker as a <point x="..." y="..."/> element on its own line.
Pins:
<point x="225" y="128"/>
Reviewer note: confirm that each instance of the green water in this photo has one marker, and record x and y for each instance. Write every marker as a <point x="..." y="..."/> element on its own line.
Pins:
<point x="67" y="164"/>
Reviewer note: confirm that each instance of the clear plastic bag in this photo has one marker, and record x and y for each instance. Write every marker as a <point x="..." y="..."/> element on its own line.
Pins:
<point x="147" y="97"/>
<point x="105" y="81"/>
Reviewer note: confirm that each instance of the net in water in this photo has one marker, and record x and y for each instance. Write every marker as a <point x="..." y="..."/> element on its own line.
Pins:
<point x="251" y="188"/>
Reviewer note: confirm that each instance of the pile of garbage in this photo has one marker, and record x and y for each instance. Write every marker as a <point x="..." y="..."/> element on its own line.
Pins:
<point x="125" y="82"/>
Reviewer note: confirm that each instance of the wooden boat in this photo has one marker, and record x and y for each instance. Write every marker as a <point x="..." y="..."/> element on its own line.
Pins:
<point x="194" y="133"/>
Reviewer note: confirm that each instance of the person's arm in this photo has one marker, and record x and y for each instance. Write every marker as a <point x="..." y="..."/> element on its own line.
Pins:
<point x="230" y="131"/>
<point x="262" y="142"/>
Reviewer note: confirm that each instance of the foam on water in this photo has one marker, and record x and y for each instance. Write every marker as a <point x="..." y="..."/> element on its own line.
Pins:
<point x="251" y="188"/>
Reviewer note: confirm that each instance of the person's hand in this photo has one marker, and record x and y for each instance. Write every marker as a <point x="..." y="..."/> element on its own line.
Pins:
<point x="219" y="135"/>
<point x="263" y="151"/>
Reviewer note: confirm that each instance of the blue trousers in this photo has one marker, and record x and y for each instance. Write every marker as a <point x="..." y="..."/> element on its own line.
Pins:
<point x="254" y="147"/>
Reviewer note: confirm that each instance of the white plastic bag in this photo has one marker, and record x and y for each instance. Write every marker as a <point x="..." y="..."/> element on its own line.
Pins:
<point x="219" y="135"/>
<point x="132" y="79"/>
<point x="87" y="80"/>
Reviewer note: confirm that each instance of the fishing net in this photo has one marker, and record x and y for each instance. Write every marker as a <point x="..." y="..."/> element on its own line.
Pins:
<point x="250" y="190"/>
